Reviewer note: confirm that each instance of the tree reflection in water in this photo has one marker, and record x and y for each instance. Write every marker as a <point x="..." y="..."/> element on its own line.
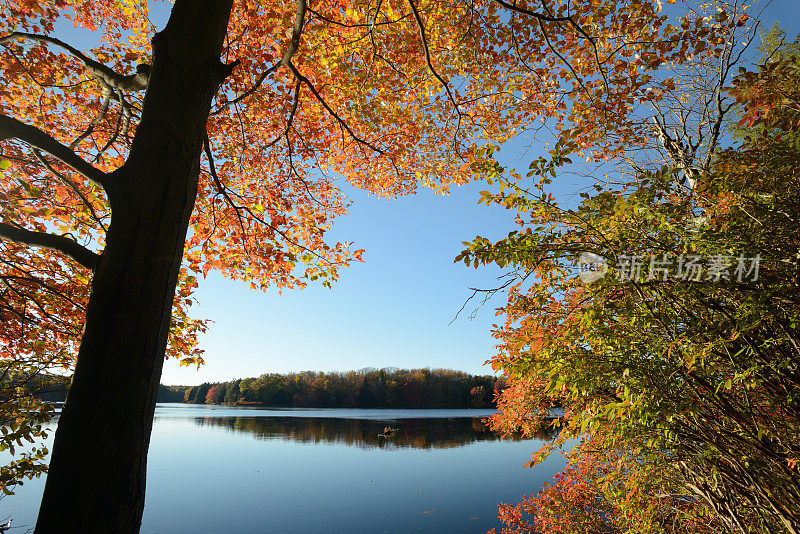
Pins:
<point x="419" y="433"/>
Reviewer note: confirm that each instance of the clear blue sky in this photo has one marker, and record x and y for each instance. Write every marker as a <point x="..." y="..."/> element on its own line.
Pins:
<point x="392" y="310"/>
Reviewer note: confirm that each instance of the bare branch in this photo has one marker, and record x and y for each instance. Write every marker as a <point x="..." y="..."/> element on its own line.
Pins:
<point x="74" y="250"/>
<point x="12" y="128"/>
<point x="511" y="278"/>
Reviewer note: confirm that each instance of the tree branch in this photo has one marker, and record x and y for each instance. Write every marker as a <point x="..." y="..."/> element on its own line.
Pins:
<point x="535" y="14"/>
<point x="294" y="44"/>
<point x="72" y="185"/>
<point x="423" y="37"/>
<point x="132" y="82"/>
<point x="74" y="250"/>
<point x="549" y="18"/>
<point x="223" y="190"/>
<point x="330" y="110"/>
<point x="297" y="31"/>
<point x="261" y="78"/>
<point x="292" y="112"/>
<point x="12" y="128"/>
<point x="97" y="120"/>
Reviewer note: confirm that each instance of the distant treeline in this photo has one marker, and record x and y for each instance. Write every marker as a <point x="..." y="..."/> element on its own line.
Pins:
<point x="367" y="388"/>
<point x="45" y="386"/>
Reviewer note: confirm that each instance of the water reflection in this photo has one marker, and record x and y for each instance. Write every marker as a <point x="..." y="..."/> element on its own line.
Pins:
<point x="248" y="471"/>
<point x="421" y="433"/>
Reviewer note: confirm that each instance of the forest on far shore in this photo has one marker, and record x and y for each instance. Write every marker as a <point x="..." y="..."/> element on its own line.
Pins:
<point x="365" y="388"/>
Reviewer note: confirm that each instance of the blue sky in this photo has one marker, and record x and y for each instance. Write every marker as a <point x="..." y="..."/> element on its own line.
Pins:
<point x="395" y="308"/>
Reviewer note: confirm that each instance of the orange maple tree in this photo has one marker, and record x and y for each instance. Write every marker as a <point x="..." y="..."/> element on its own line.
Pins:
<point x="216" y="143"/>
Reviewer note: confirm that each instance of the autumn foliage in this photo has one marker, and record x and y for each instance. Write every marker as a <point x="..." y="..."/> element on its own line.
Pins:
<point x="678" y="394"/>
<point x="291" y="99"/>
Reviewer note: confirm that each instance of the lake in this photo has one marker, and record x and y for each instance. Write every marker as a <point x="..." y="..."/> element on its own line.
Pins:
<point x="256" y="470"/>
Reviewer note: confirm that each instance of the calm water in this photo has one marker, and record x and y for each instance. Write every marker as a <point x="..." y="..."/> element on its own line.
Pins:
<point x="219" y="469"/>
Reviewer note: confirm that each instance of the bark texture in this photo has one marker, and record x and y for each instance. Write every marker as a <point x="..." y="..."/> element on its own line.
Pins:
<point x="96" y="482"/>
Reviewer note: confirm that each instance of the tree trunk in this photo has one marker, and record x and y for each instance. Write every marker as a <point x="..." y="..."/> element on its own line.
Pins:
<point x="96" y="480"/>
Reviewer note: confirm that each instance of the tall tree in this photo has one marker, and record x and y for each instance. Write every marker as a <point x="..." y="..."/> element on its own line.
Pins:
<point x="250" y="111"/>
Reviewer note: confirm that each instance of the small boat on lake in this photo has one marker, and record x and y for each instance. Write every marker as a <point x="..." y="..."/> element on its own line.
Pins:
<point x="388" y="432"/>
